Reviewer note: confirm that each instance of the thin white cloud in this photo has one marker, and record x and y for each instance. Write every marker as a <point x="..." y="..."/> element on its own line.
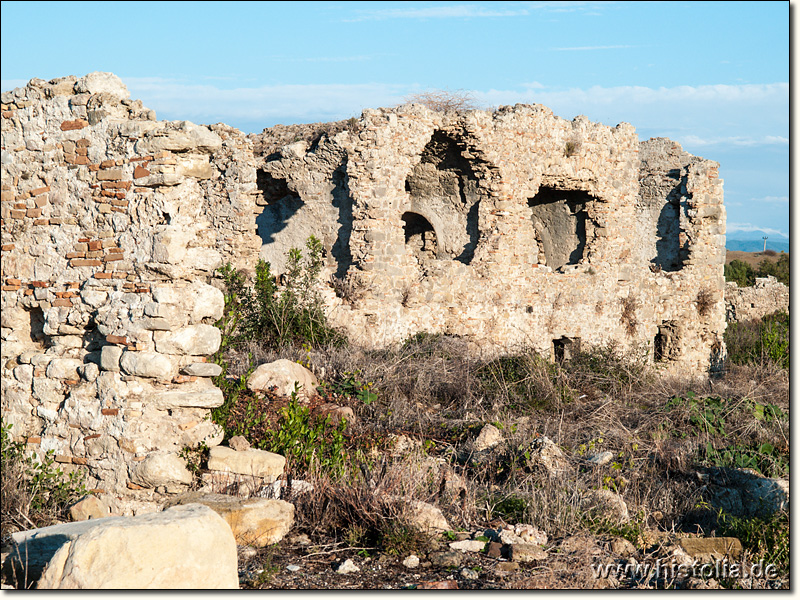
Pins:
<point x="449" y="11"/>
<point x="767" y="140"/>
<point x="750" y="228"/>
<point x="771" y="200"/>
<point x="579" y="48"/>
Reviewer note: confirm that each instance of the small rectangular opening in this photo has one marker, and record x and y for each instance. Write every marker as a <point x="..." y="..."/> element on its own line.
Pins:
<point x="666" y="342"/>
<point x="566" y="348"/>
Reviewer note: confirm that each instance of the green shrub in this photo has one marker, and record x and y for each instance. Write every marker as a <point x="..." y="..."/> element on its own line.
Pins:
<point x="740" y="272"/>
<point x="767" y="538"/>
<point x="755" y="342"/>
<point x="35" y="492"/>
<point x="264" y="312"/>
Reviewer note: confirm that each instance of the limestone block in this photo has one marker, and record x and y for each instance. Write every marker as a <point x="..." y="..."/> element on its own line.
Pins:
<point x="607" y="504"/>
<point x="254" y="521"/>
<point x="488" y="437"/>
<point x="207" y="302"/>
<point x="88" y="507"/>
<point x="102" y="83"/>
<point x="527" y="553"/>
<point x="202" y="370"/>
<point x="64" y="368"/>
<point x="194" y="340"/>
<point x="182" y="136"/>
<point x="257" y="463"/>
<point x="169" y="245"/>
<point x="147" y="364"/>
<point x="15" y="318"/>
<point x="110" y="358"/>
<point x="184" y="547"/>
<point x="161" y="468"/>
<point x="194" y="398"/>
<point x="427" y="517"/>
<point x="709" y="549"/>
<point x="283" y="374"/>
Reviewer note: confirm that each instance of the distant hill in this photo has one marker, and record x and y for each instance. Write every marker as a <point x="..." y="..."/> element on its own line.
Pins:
<point x="756" y="245"/>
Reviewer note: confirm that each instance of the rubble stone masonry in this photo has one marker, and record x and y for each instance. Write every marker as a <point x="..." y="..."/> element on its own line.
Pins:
<point x="512" y="228"/>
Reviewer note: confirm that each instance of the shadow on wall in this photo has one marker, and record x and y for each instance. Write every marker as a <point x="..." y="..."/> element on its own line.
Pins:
<point x="343" y="203"/>
<point x="281" y="205"/>
<point x="559" y="221"/>
<point x="670" y="256"/>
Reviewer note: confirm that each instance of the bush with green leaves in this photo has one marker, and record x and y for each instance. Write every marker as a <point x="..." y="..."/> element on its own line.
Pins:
<point x="740" y="272"/>
<point x="755" y="342"/>
<point x="281" y="316"/>
<point x="36" y="492"/>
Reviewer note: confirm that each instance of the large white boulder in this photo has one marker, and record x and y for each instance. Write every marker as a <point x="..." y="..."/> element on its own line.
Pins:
<point x="256" y="463"/>
<point x="284" y="375"/>
<point x="184" y="547"/>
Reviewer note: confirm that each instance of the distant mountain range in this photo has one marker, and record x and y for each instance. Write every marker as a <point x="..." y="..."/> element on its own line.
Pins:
<point x="756" y="245"/>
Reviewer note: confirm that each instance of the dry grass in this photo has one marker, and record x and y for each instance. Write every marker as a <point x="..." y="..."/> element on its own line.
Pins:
<point x="444" y="100"/>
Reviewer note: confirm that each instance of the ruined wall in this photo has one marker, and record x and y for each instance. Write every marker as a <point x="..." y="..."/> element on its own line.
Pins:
<point x="112" y="224"/>
<point x="512" y="228"/>
<point x="767" y="296"/>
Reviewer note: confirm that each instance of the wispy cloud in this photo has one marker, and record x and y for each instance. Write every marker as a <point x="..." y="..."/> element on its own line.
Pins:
<point x="771" y="200"/>
<point x="750" y="228"/>
<point x="579" y="48"/>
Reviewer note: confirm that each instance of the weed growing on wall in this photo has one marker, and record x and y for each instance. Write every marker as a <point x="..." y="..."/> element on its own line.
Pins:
<point x="35" y="492"/>
<point x="273" y="314"/>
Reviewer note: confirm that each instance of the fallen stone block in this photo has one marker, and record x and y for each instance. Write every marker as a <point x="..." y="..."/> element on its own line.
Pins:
<point x="185" y="547"/>
<point x="254" y="521"/>
<point x="283" y="374"/>
<point x="256" y="463"/>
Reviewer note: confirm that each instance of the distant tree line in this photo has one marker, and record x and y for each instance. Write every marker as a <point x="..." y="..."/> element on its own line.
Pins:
<point x="745" y="275"/>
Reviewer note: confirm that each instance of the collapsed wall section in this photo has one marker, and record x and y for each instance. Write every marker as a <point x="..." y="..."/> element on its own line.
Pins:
<point x="112" y="226"/>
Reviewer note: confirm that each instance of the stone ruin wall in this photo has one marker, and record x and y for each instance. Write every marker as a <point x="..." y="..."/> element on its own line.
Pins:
<point x="754" y="302"/>
<point x="513" y="228"/>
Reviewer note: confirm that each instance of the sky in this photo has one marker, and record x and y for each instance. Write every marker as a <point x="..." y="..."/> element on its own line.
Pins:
<point x="713" y="76"/>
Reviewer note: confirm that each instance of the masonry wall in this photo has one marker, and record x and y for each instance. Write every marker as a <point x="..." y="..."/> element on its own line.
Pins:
<point x="112" y="225"/>
<point x="767" y="296"/>
<point x="512" y="228"/>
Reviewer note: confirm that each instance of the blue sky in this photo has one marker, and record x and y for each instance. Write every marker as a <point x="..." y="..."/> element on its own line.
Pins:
<point x="713" y="76"/>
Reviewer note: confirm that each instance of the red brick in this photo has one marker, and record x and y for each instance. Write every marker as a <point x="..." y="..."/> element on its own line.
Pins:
<point x="17" y="214"/>
<point x="140" y="158"/>
<point x="95" y="245"/>
<point x="76" y="255"/>
<point x="117" y="339"/>
<point x="110" y="412"/>
<point x="94" y="167"/>
<point x="77" y="160"/>
<point x="108" y="163"/>
<point x="112" y="257"/>
<point x="140" y="172"/>
<point x="41" y="201"/>
<point x="7" y="247"/>
<point x="94" y="436"/>
<point x="34" y="440"/>
<point x="44" y="222"/>
<point x="80" y="262"/>
<point x="84" y="143"/>
<point x="72" y="125"/>
<point x="119" y="203"/>
<point x="7" y="196"/>
<point x="62" y="302"/>
<point x="116" y="185"/>
<point x="13" y="281"/>
<point x="7" y="114"/>
<point x="103" y="275"/>
<point x="39" y="284"/>
<point x="133" y="486"/>
<point x="10" y="288"/>
<point x="82" y="152"/>
<point x="79" y="461"/>
<point x="40" y="191"/>
<point x="34" y="213"/>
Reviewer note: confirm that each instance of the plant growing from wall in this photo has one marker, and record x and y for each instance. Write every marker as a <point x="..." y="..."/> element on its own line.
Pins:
<point x="273" y="314"/>
<point x="35" y="492"/>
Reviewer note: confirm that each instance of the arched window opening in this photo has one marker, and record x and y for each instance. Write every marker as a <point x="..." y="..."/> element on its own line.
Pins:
<point x="420" y="237"/>
<point x="559" y="222"/>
